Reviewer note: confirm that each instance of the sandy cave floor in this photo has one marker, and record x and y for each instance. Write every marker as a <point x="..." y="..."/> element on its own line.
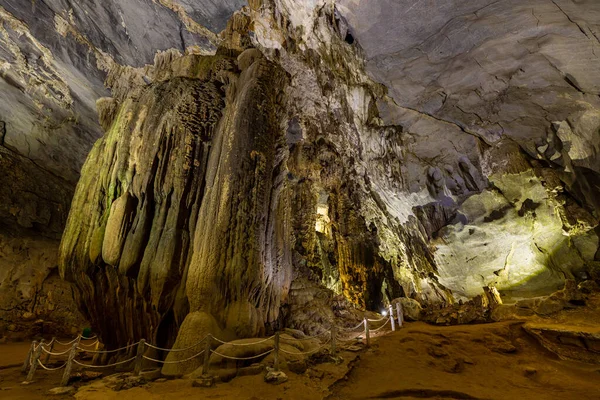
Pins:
<point x="490" y="361"/>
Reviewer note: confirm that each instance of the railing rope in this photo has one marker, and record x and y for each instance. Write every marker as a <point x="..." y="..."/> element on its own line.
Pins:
<point x="33" y="359"/>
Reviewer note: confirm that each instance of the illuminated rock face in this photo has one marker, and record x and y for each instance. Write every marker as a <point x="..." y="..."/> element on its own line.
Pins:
<point x="503" y="132"/>
<point x="180" y="206"/>
<point x="201" y="203"/>
<point x="56" y="59"/>
<point x="230" y="188"/>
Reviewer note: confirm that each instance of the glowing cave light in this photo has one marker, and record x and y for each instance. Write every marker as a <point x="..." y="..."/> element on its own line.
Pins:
<point x="323" y="222"/>
<point x="384" y="313"/>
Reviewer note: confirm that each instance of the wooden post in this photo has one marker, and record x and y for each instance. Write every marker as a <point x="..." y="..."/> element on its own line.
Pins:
<point x="333" y="347"/>
<point x="367" y="336"/>
<point x="28" y="358"/>
<point x="276" y="352"/>
<point x="34" y="361"/>
<point x="50" y="351"/>
<point x="391" y="315"/>
<point x="400" y="315"/>
<point x="206" y="356"/>
<point x="139" y="357"/>
<point x="69" y="366"/>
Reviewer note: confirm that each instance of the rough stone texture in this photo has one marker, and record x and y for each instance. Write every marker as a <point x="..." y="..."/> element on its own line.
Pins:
<point x="182" y="206"/>
<point x="33" y="211"/>
<point x="571" y="343"/>
<point x="411" y="309"/>
<point x="230" y="189"/>
<point x="56" y="59"/>
<point x="499" y="105"/>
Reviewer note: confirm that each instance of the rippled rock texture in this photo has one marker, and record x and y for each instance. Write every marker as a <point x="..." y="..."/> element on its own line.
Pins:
<point x="499" y="101"/>
<point x="56" y="59"/>
<point x="230" y="177"/>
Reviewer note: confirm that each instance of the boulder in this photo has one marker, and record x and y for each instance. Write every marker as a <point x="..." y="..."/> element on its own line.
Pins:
<point x="411" y="309"/>
<point x="194" y="328"/>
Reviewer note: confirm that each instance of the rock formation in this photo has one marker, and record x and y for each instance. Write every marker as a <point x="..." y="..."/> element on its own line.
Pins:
<point x="55" y="59"/>
<point x="268" y="176"/>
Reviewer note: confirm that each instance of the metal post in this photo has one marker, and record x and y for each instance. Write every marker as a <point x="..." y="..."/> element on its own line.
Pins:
<point x="276" y="352"/>
<point x="50" y="351"/>
<point x="391" y="315"/>
<point x="400" y="315"/>
<point x="28" y="358"/>
<point x="367" y="336"/>
<point x="34" y="361"/>
<point x="333" y="347"/>
<point x="206" y="356"/>
<point x="69" y="366"/>
<point x="139" y="357"/>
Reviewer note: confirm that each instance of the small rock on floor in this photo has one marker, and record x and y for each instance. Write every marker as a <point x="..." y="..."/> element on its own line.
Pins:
<point x="61" y="390"/>
<point x="204" y="381"/>
<point x="275" y="377"/>
<point x="529" y="371"/>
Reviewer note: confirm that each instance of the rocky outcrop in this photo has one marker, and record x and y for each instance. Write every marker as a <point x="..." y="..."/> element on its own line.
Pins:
<point x="200" y="204"/>
<point x="501" y="125"/>
<point x="33" y="299"/>
<point x="56" y="59"/>
<point x="267" y="176"/>
<point x="182" y="207"/>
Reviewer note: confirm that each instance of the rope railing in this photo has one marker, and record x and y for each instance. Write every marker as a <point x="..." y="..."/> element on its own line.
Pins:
<point x="90" y="344"/>
<point x="55" y="354"/>
<point x="107" y="351"/>
<point x="319" y="348"/>
<point x="353" y="328"/>
<point x="174" y="362"/>
<point x="175" y="350"/>
<point x="242" y="344"/>
<point x="307" y="337"/>
<point x="37" y="349"/>
<point x="68" y="343"/>
<point x="104" y="366"/>
<point x="382" y="326"/>
<point x="243" y="358"/>
<point x="49" y="368"/>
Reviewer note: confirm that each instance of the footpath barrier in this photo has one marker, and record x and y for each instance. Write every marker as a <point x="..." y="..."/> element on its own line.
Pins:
<point x="44" y="350"/>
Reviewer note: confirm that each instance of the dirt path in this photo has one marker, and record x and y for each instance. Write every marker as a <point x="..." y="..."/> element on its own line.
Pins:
<point x="493" y="361"/>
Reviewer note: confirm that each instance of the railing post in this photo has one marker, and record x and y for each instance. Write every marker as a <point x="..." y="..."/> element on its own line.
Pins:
<point x="391" y="315"/>
<point x="34" y="361"/>
<point x="400" y="315"/>
<point x="276" y="352"/>
<point x="206" y="356"/>
<point x="69" y="365"/>
<point x="367" y="336"/>
<point x="28" y="358"/>
<point x="333" y="344"/>
<point x="139" y="357"/>
<point x="50" y="351"/>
